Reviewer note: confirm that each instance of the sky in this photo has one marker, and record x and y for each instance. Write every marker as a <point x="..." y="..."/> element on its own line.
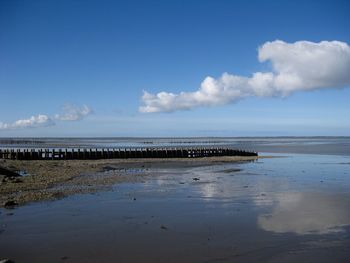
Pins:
<point x="174" y="68"/>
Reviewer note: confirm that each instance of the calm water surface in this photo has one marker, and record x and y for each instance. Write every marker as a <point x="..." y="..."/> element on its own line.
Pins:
<point x="290" y="209"/>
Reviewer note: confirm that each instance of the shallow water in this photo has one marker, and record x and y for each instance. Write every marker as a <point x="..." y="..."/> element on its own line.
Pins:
<point x="290" y="209"/>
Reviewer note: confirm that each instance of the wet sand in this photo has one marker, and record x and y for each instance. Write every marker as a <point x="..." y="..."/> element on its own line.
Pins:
<point x="49" y="180"/>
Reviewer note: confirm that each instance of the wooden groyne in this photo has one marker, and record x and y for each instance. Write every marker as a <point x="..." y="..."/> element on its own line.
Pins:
<point x="118" y="153"/>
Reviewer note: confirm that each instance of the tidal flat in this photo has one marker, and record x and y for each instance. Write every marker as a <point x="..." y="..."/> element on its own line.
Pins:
<point x="49" y="180"/>
<point x="290" y="209"/>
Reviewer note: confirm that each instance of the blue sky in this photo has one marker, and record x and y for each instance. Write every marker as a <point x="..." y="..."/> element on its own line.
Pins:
<point x="104" y="54"/>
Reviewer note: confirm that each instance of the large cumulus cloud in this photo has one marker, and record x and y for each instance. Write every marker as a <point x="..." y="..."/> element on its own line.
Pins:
<point x="298" y="66"/>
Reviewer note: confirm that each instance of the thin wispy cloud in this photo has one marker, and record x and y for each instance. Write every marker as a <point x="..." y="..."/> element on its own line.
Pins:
<point x="298" y="66"/>
<point x="73" y="113"/>
<point x="70" y="113"/>
<point x="40" y="120"/>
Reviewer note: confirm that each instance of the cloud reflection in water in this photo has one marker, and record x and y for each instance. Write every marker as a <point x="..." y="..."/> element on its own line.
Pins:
<point x="307" y="213"/>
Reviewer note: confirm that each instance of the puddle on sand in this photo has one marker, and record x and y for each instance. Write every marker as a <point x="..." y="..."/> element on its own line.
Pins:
<point x="23" y="173"/>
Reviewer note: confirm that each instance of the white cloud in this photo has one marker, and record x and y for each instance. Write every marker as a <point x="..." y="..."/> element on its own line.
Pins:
<point x="298" y="66"/>
<point x="33" y="122"/>
<point x="70" y="113"/>
<point x="73" y="113"/>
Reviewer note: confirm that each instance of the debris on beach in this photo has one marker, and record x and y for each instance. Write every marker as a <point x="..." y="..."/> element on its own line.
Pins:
<point x="9" y="205"/>
<point x="7" y="175"/>
<point x="232" y="170"/>
<point x="12" y="180"/>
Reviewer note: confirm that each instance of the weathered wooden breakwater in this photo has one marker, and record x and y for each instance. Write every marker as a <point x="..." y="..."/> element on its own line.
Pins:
<point x="118" y="153"/>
